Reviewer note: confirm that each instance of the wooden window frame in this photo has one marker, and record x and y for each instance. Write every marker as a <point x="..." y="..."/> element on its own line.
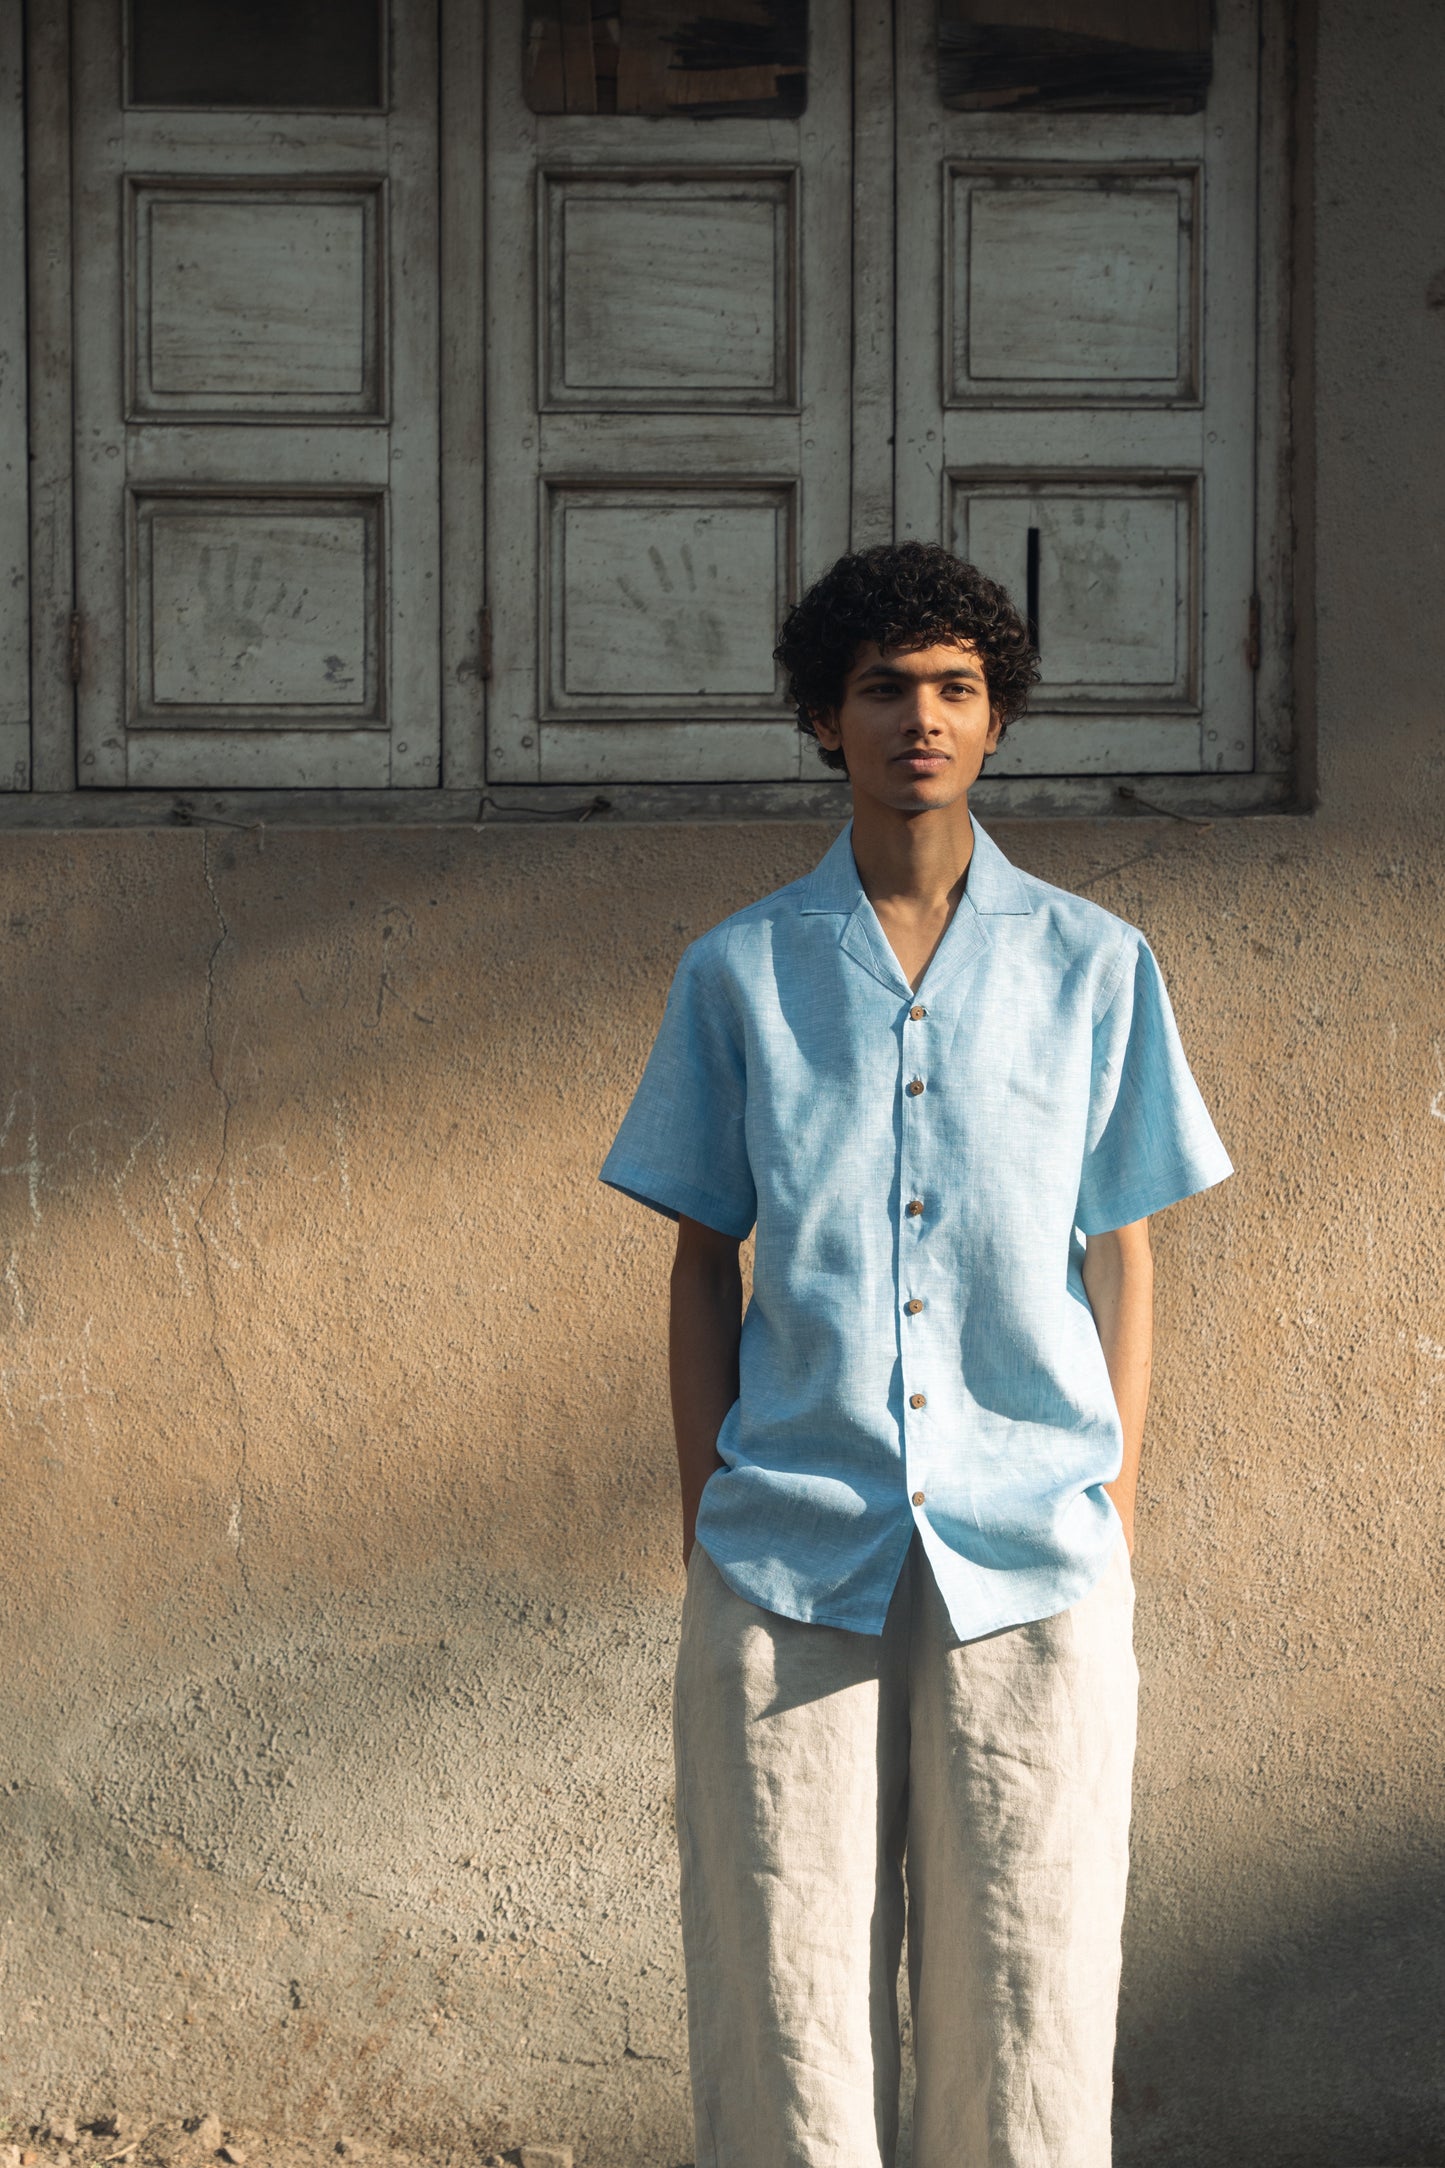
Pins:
<point x="1282" y="779"/>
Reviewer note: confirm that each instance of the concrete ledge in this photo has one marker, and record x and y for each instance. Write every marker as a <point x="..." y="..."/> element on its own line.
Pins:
<point x="1197" y="797"/>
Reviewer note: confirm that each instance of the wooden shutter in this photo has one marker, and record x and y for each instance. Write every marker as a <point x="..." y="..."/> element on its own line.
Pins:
<point x="1076" y="383"/>
<point x="668" y="399"/>
<point x="14" y="466"/>
<point x="256" y="391"/>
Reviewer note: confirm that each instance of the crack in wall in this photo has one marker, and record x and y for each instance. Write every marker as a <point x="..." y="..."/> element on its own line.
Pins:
<point x="235" y="1527"/>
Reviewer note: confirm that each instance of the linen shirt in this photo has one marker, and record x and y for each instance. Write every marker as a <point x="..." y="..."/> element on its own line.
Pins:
<point x="923" y="1170"/>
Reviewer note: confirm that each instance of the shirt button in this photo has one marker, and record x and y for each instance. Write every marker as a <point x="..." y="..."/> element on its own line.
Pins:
<point x="915" y="1087"/>
<point x="918" y="1497"/>
<point x="915" y="1206"/>
<point x="918" y="1400"/>
<point x="913" y="1307"/>
<point x="918" y="1014"/>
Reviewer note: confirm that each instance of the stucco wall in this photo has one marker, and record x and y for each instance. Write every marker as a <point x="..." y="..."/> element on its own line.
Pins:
<point x="339" y="1581"/>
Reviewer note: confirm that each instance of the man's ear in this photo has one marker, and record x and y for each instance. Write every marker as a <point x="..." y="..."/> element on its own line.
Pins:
<point x="995" y="731"/>
<point x="825" y="729"/>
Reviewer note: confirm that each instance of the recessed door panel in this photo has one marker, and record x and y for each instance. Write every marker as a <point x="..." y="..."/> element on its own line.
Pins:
<point x="1079" y="287"/>
<point x="257" y="302"/>
<point x="664" y="291"/>
<point x="267" y="609"/>
<point x="665" y="598"/>
<point x="1107" y="571"/>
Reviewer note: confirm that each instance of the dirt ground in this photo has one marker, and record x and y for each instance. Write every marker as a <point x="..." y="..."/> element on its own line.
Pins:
<point x="121" y="2141"/>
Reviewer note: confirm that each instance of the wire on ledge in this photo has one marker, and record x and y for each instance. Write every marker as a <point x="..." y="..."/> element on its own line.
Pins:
<point x="1192" y="820"/>
<point x="486" y="805"/>
<point x="187" y="816"/>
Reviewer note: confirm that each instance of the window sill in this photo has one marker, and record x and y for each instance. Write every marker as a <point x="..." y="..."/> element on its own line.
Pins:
<point x="1195" y="798"/>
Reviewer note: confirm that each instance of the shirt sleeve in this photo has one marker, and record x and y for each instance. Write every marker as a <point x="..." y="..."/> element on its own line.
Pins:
<point x="1150" y="1139"/>
<point x="682" y="1146"/>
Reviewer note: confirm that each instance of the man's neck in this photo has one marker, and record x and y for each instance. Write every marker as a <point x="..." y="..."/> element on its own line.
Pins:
<point x="914" y="860"/>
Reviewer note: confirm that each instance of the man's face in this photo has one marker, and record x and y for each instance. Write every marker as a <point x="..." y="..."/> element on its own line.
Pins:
<point x="913" y="728"/>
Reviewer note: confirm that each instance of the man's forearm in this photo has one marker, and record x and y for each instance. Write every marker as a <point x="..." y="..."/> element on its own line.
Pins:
<point x="705" y="1326"/>
<point x="1119" y="1282"/>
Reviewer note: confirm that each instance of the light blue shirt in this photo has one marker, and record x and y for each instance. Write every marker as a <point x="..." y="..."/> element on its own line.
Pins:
<point x="922" y="1170"/>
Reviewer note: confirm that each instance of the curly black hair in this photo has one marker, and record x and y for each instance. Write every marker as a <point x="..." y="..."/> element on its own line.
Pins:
<point x="901" y="595"/>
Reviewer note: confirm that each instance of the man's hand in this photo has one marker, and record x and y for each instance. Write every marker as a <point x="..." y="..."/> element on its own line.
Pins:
<point x="705" y="1326"/>
<point x="1119" y="1282"/>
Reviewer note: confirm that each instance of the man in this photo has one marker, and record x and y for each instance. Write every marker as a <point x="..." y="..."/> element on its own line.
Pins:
<point x="948" y="1096"/>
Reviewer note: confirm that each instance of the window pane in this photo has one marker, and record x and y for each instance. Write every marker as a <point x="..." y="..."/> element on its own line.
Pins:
<point x="1073" y="55"/>
<point x="256" y="53"/>
<point x="736" y="57"/>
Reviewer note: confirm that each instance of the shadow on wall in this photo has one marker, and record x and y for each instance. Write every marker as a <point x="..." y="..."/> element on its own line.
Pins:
<point x="1319" y="2045"/>
<point x="300" y="1152"/>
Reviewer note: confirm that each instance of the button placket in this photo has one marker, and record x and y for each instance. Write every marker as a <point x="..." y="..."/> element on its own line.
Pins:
<point x="913" y="1068"/>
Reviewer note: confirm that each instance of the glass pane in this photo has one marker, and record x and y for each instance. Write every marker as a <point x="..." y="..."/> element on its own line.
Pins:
<point x="1073" y="55"/>
<point x="256" y="54"/>
<point x="736" y="57"/>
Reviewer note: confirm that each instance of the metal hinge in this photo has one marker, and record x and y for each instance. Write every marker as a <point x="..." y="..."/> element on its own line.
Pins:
<point x="75" y="647"/>
<point x="484" y="642"/>
<point x="1251" y="640"/>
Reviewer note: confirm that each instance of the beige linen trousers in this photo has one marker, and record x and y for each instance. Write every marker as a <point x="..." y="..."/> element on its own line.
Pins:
<point x="826" y="1780"/>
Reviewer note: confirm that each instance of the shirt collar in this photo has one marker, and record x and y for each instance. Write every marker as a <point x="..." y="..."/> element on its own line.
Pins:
<point x="994" y="886"/>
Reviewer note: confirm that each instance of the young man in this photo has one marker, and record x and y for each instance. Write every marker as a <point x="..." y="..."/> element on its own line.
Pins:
<point x="948" y="1096"/>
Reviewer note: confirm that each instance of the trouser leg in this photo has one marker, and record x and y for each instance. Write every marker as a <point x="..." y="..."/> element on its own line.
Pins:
<point x="791" y="1751"/>
<point x="1021" y="1767"/>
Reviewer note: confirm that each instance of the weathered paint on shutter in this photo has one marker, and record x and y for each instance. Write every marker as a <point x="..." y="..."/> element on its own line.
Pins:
<point x="668" y="414"/>
<point x="256" y="455"/>
<point x="1076" y="354"/>
<point x="14" y="466"/>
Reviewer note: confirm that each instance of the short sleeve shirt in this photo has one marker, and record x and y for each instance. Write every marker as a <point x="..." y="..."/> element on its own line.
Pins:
<point x="923" y="1169"/>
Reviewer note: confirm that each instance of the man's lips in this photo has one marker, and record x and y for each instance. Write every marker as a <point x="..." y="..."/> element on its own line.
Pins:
<point x="921" y="760"/>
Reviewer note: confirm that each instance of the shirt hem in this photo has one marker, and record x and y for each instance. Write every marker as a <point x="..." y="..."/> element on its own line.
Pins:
<point x="812" y="1616"/>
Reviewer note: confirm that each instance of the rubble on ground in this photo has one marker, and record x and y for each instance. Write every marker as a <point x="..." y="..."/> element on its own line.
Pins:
<point x="112" y="2138"/>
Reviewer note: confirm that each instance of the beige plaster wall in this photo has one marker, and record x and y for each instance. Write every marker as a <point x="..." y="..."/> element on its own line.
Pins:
<point x="338" y="1581"/>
